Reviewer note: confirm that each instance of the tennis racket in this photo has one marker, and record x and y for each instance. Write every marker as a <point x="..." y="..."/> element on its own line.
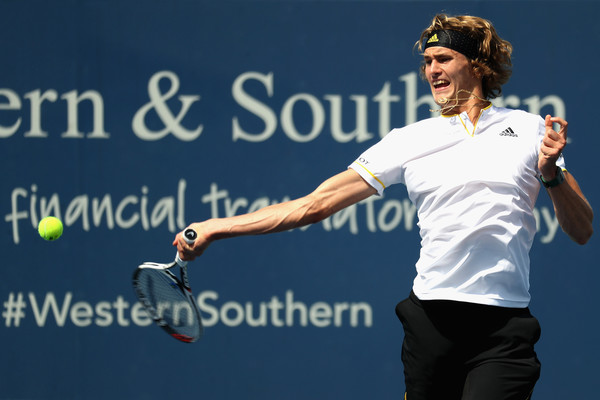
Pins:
<point x="167" y="298"/>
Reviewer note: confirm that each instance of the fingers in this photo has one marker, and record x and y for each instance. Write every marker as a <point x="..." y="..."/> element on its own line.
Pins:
<point x="189" y="251"/>
<point x="185" y="250"/>
<point x="550" y="121"/>
<point x="551" y="149"/>
<point x="552" y="139"/>
<point x="552" y="145"/>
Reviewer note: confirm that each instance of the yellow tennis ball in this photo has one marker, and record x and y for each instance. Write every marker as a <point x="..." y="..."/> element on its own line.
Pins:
<point x="50" y="228"/>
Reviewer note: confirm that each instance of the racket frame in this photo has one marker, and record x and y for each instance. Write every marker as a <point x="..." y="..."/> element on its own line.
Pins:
<point x="182" y="283"/>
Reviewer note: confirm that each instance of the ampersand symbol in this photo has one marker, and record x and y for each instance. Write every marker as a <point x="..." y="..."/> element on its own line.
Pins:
<point x="172" y="124"/>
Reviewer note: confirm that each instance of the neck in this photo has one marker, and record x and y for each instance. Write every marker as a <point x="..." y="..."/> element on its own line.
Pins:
<point x="474" y="111"/>
<point x="464" y="101"/>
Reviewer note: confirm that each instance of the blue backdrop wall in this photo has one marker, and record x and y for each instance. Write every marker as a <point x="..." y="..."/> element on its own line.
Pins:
<point x="129" y="120"/>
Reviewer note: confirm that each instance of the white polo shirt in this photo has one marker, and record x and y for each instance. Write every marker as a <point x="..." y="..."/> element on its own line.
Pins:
<point x="474" y="188"/>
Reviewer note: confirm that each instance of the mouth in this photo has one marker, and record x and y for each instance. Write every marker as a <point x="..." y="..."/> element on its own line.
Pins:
<point x="440" y="84"/>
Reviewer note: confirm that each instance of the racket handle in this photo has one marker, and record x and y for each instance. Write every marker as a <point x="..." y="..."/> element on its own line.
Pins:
<point x="189" y="235"/>
<point x="179" y="261"/>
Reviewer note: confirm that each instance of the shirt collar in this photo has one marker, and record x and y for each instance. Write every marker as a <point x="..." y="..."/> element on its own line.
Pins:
<point x="463" y="114"/>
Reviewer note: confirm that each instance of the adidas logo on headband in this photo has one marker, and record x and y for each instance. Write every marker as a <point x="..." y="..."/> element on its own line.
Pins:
<point x="433" y="39"/>
<point x="454" y="40"/>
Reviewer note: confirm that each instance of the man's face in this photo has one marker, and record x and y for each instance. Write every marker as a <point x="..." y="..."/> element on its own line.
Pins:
<point x="447" y="72"/>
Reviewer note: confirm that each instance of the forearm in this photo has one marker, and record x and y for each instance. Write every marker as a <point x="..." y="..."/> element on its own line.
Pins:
<point x="274" y="218"/>
<point x="573" y="212"/>
<point x="334" y="194"/>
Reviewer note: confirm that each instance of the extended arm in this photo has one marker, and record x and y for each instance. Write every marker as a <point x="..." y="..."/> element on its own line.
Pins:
<point x="336" y="193"/>
<point x="572" y="209"/>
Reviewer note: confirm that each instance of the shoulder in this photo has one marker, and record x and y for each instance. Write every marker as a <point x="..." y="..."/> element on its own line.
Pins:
<point x="527" y="124"/>
<point x="515" y="114"/>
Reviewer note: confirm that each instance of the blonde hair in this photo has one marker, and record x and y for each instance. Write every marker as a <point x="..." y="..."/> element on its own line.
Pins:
<point x="493" y="63"/>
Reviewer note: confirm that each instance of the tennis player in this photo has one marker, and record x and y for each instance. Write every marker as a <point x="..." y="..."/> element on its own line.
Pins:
<point x="474" y="174"/>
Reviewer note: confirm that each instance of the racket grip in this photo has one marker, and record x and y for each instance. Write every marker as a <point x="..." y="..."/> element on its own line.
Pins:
<point x="189" y="235"/>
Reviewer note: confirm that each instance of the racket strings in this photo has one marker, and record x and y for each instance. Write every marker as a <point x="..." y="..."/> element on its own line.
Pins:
<point x="168" y="304"/>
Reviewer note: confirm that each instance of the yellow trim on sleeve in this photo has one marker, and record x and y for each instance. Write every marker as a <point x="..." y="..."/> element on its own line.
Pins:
<point x="370" y="173"/>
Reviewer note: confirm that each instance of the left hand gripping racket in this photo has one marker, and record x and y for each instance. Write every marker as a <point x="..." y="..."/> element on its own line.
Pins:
<point x="167" y="298"/>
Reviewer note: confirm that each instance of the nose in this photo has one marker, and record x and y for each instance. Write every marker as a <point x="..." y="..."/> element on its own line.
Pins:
<point x="434" y="67"/>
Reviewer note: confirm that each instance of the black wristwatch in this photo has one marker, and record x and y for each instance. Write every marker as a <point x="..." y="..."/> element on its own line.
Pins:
<point x="558" y="179"/>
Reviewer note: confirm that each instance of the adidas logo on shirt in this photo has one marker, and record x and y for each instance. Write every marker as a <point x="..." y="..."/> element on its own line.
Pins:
<point x="508" y="132"/>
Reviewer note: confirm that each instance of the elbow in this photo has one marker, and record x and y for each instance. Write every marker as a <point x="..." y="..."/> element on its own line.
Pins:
<point x="584" y="236"/>
<point x="580" y="229"/>
<point x="318" y="215"/>
<point x="317" y="211"/>
<point x="587" y="233"/>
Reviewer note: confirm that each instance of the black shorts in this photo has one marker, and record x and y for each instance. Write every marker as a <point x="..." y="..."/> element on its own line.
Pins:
<point x="463" y="351"/>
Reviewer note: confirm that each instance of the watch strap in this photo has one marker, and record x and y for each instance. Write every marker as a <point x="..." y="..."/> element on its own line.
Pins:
<point x="558" y="179"/>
